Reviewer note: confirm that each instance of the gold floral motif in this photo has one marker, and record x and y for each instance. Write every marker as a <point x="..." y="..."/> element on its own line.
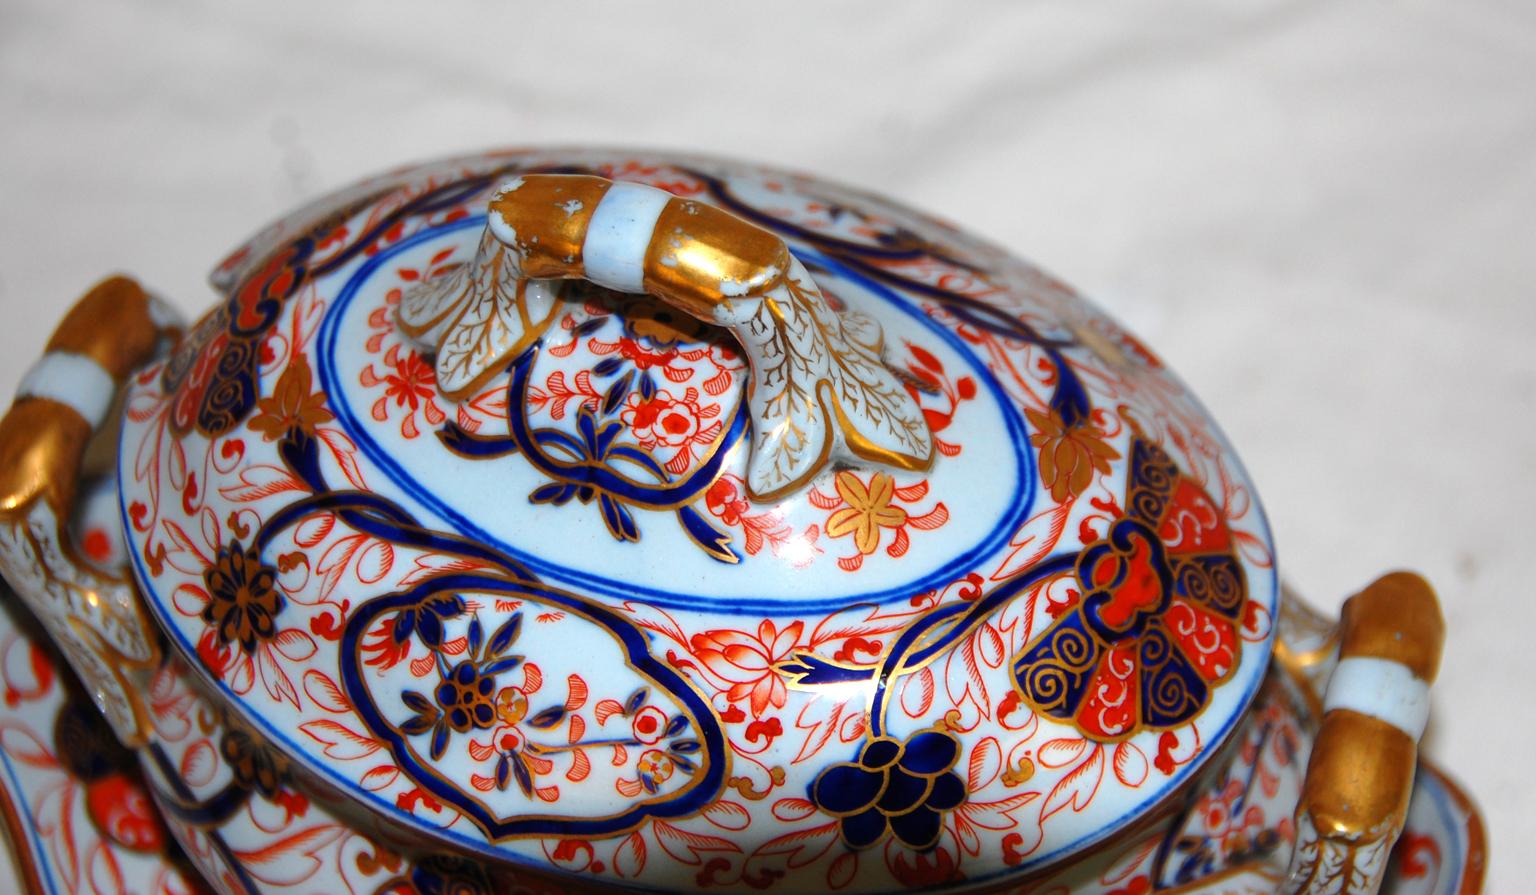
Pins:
<point x="254" y="764"/>
<point x="1069" y="455"/>
<point x="243" y="601"/>
<point x="292" y="405"/>
<point x="869" y="509"/>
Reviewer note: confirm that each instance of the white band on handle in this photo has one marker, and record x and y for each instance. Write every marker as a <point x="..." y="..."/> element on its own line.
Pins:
<point x="73" y="380"/>
<point x="1381" y="689"/>
<point x="620" y="235"/>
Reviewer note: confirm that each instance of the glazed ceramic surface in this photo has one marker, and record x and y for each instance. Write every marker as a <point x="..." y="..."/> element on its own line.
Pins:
<point x="76" y="808"/>
<point x="79" y="817"/>
<point x="506" y="565"/>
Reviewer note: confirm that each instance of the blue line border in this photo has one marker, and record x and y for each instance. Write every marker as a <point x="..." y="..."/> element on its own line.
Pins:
<point x="1010" y="522"/>
<point x="732" y="607"/>
<point x="35" y="844"/>
<point x="1434" y="781"/>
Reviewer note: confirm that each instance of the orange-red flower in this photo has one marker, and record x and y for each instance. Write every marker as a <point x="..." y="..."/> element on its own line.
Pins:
<point x="667" y="420"/>
<point x="412" y="381"/>
<point x="725" y="500"/>
<point x="749" y="663"/>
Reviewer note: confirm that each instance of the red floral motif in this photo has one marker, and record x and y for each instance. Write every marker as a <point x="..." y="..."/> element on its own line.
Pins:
<point x="678" y="424"/>
<point x="928" y="383"/>
<point x="748" y="662"/>
<point x="411" y="385"/>
<point x="727" y="501"/>
<point x="917" y="870"/>
<point x="122" y="811"/>
<point x="737" y="666"/>
<point x="649" y="724"/>
<point x="1217" y="812"/>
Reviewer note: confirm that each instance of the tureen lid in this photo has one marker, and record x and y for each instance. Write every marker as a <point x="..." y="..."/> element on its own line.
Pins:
<point x="868" y="534"/>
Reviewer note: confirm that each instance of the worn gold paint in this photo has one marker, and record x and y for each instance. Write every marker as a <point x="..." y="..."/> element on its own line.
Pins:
<point x="700" y="256"/>
<point x="1397" y="618"/>
<point x="550" y="214"/>
<point x="41" y="443"/>
<point x="42" y="440"/>
<point x="1359" y="778"/>
<point x="111" y="325"/>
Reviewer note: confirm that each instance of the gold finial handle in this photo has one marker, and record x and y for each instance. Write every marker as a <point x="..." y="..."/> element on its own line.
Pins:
<point x="1360" y="776"/>
<point x="96" y="619"/>
<point x="820" y="388"/>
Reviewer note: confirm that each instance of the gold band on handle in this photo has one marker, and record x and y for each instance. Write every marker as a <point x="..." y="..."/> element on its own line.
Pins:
<point x="821" y="391"/>
<point x="1398" y="619"/>
<point x="700" y="255"/>
<point x="111" y="324"/>
<point x="697" y="255"/>
<point x="42" y="440"/>
<point x="550" y="214"/>
<point x="41" y="444"/>
<point x="1360" y="775"/>
<point x="96" y="618"/>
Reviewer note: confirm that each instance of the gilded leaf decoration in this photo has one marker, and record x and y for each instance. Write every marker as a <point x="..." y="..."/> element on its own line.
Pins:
<point x="479" y="316"/>
<point x="820" y="387"/>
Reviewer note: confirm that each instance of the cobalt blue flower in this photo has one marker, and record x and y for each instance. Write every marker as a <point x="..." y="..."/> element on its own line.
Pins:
<point x="468" y="697"/>
<point x="895" y="787"/>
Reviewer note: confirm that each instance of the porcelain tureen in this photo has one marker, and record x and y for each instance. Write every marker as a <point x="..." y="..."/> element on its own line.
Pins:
<point x="575" y="520"/>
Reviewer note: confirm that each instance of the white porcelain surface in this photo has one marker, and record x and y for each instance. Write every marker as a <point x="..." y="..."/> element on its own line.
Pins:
<point x="1355" y="137"/>
<point x="656" y="657"/>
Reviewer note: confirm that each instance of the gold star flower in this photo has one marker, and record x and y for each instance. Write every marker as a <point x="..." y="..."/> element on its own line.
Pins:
<point x="868" y="510"/>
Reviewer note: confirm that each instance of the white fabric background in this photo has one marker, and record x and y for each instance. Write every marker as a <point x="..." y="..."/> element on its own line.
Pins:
<point x="1322" y="214"/>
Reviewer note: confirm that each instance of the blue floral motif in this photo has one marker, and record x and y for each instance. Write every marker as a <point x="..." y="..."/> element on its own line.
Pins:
<point x="585" y="465"/>
<point x="896" y="787"/>
<point x="465" y="696"/>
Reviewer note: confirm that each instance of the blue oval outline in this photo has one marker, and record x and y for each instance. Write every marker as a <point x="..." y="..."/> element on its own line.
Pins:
<point x="1011" y="520"/>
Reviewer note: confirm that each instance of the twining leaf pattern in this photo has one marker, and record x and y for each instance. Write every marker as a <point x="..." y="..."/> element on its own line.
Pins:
<point x="500" y="665"/>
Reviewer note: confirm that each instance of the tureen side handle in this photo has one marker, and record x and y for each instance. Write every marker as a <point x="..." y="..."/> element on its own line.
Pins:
<point x="1360" y="775"/>
<point x="95" y="617"/>
<point x="820" y="389"/>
